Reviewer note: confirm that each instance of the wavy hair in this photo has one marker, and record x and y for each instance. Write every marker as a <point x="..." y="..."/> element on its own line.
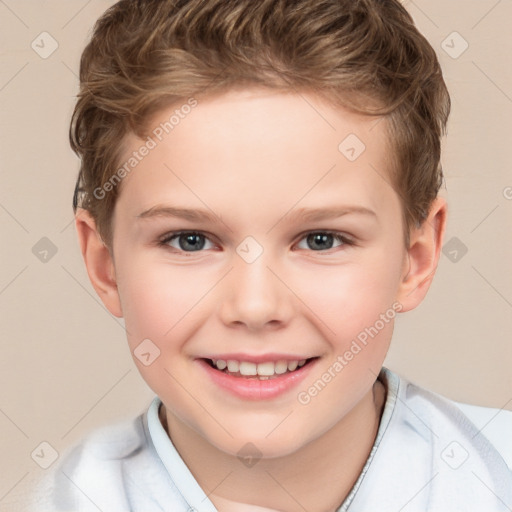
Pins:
<point x="364" y="55"/>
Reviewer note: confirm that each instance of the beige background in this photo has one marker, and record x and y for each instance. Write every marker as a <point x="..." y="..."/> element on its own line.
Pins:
<point x="65" y="367"/>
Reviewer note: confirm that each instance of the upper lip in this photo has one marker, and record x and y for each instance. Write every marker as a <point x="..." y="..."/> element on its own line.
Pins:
<point x="253" y="358"/>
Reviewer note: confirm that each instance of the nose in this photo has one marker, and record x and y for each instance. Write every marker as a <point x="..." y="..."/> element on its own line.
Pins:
<point x="255" y="296"/>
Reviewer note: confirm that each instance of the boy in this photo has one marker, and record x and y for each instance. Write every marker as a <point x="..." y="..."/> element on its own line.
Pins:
<point x="258" y="200"/>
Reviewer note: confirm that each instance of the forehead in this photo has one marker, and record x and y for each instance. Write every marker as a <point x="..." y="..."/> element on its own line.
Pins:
<point x="254" y="147"/>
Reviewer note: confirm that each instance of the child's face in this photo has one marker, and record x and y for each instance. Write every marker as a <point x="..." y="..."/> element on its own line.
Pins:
<point x="258" y="288"/>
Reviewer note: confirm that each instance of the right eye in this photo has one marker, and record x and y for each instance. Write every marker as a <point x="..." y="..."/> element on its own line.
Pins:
<point x="187" y="241"/>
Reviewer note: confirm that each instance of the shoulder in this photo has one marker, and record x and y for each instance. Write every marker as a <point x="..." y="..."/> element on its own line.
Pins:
<point x="97" y="471"/>
<point x="435" y="454"/>
<point x="494" y="424"/>
<point x="115" y="442"/>
<point x="490" y="427"/>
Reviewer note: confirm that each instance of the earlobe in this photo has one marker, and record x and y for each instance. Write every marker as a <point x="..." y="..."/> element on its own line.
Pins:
<point x="98" y="261"/>
<point x="423" y="256"/>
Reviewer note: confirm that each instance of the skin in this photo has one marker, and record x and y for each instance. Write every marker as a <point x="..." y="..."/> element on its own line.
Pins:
<point x="253" y="158"/>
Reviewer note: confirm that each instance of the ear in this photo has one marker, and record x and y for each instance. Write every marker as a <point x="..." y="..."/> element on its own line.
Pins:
<point x="98" y="261"/>
<point x="423" y="256"/>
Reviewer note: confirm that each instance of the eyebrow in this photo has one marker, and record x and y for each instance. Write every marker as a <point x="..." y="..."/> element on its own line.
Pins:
<point x="181" y="213"/>
<point x="317" y="214"/>
<point x="301" y="214"/>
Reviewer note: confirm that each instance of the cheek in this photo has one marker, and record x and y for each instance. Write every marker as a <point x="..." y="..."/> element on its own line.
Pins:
<point x="359" y="310"/>
<point x="161" y="303"/>
<point x="157" y="296"/>
<point x="348" y="298"/>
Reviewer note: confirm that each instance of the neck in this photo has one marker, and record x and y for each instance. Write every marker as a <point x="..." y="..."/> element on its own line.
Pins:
<point x="317" y="478"/>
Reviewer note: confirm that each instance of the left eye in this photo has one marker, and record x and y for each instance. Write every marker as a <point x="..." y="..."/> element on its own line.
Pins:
<point x="323" y="240"/>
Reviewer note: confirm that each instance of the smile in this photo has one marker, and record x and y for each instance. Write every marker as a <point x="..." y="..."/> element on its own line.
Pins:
<point x="260" y="379"/>
<point x="262" y="371"/>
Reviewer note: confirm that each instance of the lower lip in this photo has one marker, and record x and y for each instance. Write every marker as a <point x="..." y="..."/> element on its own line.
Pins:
<point x="254" y="388"/>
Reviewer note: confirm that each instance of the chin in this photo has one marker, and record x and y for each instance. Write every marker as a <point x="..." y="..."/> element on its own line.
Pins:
<point x="261" y="445"/>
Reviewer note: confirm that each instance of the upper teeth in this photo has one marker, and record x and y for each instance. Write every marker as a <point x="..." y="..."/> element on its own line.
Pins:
<point x="264" y="369"/>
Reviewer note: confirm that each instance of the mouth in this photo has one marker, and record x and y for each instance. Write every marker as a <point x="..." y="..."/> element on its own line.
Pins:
<point x="256" y="378"/>
<point x="267" y="370"/>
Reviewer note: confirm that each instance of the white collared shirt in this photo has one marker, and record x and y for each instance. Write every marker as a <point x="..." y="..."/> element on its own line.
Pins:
<point x="430" y="454"/>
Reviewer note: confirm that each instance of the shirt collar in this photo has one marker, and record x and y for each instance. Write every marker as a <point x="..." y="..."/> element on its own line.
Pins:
<point x="191" y="491"/>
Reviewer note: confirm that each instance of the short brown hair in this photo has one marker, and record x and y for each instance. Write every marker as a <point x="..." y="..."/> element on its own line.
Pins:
<point x="365" y="55"/>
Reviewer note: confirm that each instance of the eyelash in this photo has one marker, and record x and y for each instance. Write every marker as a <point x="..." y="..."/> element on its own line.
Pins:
<point x="343" y="239"/>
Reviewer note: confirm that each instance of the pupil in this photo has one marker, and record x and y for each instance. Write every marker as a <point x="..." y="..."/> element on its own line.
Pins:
<point x="189" y="242"/>
<point x="320" y="239"/>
